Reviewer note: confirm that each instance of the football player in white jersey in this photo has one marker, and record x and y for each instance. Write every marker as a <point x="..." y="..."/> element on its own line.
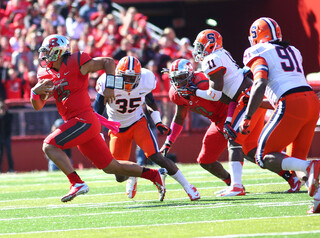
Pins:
<point x="127" y="108"/>
<point x="230" y="85"/>
<point x="278" y="74"/>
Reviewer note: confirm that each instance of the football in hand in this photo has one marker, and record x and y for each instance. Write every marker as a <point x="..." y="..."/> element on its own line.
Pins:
<point x="46" y="96"/>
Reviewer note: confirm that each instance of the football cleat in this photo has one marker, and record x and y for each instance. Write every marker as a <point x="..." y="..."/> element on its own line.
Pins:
<point x="131" y="187"/>
<point x="221" y="191"/>
<point x="315" y="207"/>
<point x="75" y="190"/>
<point x="235" y="190"/>
<point x="295" y="184"/>
<point x="192" y="192"/>
<point x="313" y="177"/>
<point x="159" y="181"/>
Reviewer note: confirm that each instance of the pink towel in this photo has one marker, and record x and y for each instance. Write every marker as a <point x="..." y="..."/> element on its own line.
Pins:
<point x="112" y="125"/>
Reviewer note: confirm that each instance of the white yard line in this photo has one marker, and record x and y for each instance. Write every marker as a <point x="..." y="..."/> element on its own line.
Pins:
<point x="180" y="223"/>
<point x="182" y="207"/>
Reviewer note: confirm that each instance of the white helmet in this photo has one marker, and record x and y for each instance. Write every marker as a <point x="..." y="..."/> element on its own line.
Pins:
<point x="52" y="49"/>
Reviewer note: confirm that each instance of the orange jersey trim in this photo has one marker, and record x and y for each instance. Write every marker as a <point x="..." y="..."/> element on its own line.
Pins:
<point x="218" y="69"/>
<point x="259" y="67"/>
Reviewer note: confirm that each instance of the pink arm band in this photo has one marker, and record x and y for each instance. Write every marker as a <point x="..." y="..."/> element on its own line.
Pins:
<point x="232" y="106"/>
<point x="175" y="131"/>
<point x="34" y="96"/>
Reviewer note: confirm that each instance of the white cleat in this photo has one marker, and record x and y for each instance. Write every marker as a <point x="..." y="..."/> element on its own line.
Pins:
<point x="192" y="193"/>
<point x="75" y="190"/>
<point x="235" y="190"/>
<point x="131" y="188"/>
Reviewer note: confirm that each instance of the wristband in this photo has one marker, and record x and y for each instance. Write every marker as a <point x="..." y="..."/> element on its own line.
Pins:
<point x="118" y="82"/>
<point x="210" y="94"/>
<point x="155" y="115"/>
<point x="34" y="96"/>
<point x="110" y="81"/>
<point x="175" y="131"/>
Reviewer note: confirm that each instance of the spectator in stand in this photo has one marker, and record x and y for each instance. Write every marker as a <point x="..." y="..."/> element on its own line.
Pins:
<point x="46" y="28"/>
<point x="18" y="22"/>
<point x="122" y="50"/>
<point x="33" y="16"/>
<point x="166" y="47"/>
<point x="111" y="46"/>
<point x="23" y="72"/>
<point x="4" y="66"/>
<point x="53" y="15"/>
<point x="171" y="34"/>
<point x="16" y="7"/>
<point x="87" y="10"/>
<point x="5" y="29"/>
<point x="24" y="53"/>
<point x="184" y="51"/>
<point x="5" y="48"/>
<point x="145" y="53"/>
<point x="64" y="7"/>
<point x="5" y="135"/>
<point x="13" y="41"/>
<point x="159" y="58"/>
<point x="91" y="49"/>
<point x="13" y="85"/>
<point x="96" y="17"/>
<point x="127" y="22"/>
<point x="75" y="24"/>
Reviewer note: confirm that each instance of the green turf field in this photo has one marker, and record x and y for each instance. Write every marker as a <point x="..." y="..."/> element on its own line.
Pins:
<point x="30" y="207"/>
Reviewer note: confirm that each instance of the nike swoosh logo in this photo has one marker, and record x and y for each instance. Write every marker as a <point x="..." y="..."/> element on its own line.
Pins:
<point x="142" y="93"/>
<point x="295" y="188"/>
<point x="66" y="73"/>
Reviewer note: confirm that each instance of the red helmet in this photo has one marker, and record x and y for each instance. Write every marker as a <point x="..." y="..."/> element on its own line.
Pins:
<point x="206" y="42"/>
<point x="180" y="74"/>
<point x="129" y="68"/>
<point x="264" y="30"/>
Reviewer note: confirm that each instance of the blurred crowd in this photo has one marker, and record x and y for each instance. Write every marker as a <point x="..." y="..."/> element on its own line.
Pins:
<point x="91" y="27"/>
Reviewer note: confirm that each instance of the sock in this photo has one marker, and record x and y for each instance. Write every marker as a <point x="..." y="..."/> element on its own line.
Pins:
<point x="149" y="174"/>
<point x="74" y="178"/>
<point x="236" y="172"/>
<point x="285" y="174"/>
<point x="227" y="180"/>
<point x="291" y="163"/>
<point x="179" y="177"/>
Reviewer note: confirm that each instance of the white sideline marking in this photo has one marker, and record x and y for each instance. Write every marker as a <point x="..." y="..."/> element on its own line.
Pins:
<point x="151" y="191"/>
<point x="176" y="223"/>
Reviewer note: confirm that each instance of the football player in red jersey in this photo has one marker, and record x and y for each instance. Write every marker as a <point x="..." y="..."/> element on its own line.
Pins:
<point x="69" y="75"/>
<point x="181" y="74"/>
<point x="278" y="74"/>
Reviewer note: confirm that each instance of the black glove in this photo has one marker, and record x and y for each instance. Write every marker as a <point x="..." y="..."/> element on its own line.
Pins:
<point x="163" y="129"/>
<point x="165" y="148"/>
<point x="188" y="91"/>
<point x="228" y="132"/>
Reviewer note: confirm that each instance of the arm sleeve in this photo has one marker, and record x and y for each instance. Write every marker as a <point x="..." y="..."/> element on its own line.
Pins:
<point x="150" y="99"/>
<point x="98" y="105"/>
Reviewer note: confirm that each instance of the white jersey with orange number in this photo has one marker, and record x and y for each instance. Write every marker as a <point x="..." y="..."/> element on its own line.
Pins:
<point x="233" y="76"/>
<point x="285" y="68"/>
<point x="127" y="108"/>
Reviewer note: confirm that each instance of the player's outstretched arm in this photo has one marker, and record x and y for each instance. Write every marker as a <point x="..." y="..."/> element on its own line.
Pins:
<point x="176" y="128"/>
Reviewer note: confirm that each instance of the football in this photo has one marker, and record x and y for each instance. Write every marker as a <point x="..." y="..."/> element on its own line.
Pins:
<point x="46" y="96"/>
